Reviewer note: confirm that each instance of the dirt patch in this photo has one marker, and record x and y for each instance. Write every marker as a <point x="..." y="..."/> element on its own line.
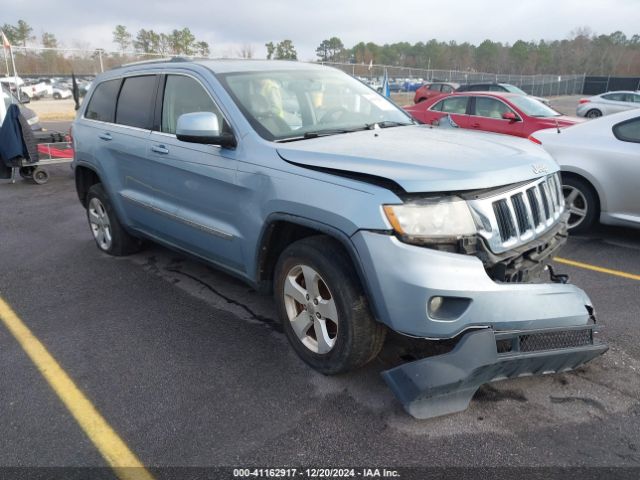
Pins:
<point x="52" y="110"/>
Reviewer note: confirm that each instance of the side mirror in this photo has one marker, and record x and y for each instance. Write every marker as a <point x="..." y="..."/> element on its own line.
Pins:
<point x="203" y="127"/>
<point x="510" y="116"/>
<point x="24" y="98"/>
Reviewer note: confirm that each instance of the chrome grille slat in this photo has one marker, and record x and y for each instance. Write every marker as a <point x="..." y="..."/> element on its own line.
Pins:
<point x="534" y="205"/>
<point x="519" y="215"/>
<point x="522" y="219"/>
<point x="545" y="201"/>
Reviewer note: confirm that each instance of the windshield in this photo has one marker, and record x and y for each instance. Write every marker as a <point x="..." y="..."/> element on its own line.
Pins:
<point x="513" y="89"/>
<point x="532" y="107"/>
<point x="296" y="104"/>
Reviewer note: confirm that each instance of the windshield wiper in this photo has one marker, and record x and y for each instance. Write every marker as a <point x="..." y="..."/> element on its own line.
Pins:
<point x="387" y="124"/>
<point x="321" y="133"/>
<point x="337" y="131"/>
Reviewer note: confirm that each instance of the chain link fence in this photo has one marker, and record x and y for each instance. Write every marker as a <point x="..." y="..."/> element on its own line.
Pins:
<point x="539" y="85"/>
<point x="61" y="62"/>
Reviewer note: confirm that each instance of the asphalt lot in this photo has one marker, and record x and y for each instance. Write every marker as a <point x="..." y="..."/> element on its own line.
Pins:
<point x="190" y="368"/>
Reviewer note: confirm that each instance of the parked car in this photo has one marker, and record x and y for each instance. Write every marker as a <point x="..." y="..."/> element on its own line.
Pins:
<point x="353" y="216"/>
<point x="30" y="116"/>
<point x="600" y="163"/>
<point x="433" y="89"/>
<point x="25" y="92"/>
<point x="607" y="103"/>
<point x="506" y="113"/>
<point x="61" y="91"/>
<point x="411" y="85"/>
<point x="498" y="87"/>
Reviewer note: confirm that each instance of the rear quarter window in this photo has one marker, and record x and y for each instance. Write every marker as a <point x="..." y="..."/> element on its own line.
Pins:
<point x="628" y="131"/>
<point x="102" y="105"/>
<point x="135" y="103"/>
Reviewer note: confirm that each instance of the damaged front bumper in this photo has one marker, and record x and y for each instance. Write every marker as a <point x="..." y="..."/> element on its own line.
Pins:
<point x="446" y="383"/>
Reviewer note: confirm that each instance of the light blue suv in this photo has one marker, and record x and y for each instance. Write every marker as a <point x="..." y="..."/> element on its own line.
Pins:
<point x="306" y="183"/>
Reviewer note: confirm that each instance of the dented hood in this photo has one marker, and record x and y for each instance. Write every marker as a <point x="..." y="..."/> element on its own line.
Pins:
<point x="424" y="159"/>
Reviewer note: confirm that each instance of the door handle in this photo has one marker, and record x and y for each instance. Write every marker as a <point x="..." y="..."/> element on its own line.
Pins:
<point x="105" y="136"/>
<point x="160" y="149"/>
<point x="476" y="125"/>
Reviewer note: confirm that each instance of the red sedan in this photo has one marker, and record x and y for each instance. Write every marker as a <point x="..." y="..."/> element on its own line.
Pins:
<point x="493" y="112"/>
<point x="433" y="89"/>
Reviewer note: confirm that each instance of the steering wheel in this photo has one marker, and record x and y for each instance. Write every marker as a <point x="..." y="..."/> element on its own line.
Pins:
<point x="333" y="115"/>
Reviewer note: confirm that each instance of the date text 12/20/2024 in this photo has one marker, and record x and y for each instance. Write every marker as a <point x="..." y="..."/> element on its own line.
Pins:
<point x="315" y="473"/>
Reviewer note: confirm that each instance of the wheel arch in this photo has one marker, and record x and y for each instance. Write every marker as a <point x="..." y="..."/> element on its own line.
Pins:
<point x="280" y="230"/>
<point x="85" y="178"/>
<point x="589" y="183"/>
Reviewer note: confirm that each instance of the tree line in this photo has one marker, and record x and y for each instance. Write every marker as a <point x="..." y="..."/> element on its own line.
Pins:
<point x="582" y="52"/>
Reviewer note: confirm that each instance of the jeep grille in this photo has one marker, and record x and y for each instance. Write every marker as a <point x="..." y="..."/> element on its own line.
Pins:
<point x="513" y="218"/>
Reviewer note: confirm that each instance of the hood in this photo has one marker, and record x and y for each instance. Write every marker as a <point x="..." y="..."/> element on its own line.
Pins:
<point x="425" y="159"/>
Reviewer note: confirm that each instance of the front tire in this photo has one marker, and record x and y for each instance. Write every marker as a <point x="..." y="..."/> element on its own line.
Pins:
<point x="107" y="230"/>
<point x="323" y="309"/>
<point x="582" y="202"/>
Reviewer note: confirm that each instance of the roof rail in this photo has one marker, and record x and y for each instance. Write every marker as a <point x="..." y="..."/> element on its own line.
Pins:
<point x="157" y="60"/>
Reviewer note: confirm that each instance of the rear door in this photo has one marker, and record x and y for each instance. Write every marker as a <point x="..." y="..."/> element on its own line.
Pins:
<point x="615" y="102"/>
<point x="455" y="107"/>
<point x="194" y="184"/>
<point x="487" y="115"/>
<point x="119" y="150"/>
<point x="127" y="142"/>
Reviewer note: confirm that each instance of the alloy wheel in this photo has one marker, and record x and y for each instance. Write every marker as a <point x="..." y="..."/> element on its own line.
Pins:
<point x="311" y="309"/>
<point x="100" y="224"/>
<point x="576" y="204"/>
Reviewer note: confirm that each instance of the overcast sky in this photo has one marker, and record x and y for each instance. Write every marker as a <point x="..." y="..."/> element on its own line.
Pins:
<point x="227" y="25"/>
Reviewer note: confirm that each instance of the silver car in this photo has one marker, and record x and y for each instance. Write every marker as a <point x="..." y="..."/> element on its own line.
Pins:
<point x="600" y="169"/>
<point x="608" y="103"/>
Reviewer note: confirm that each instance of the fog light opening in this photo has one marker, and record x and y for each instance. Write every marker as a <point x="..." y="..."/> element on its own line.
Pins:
<point x="435" y="303"/>
<point x="447" y="309"/>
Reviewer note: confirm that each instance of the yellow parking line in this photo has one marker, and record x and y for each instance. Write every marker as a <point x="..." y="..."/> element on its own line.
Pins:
<point x="122" y="460"/>
<point x="595" y="268"/>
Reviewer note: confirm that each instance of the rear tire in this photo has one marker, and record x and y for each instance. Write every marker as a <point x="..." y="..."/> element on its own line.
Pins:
<point x="582" y="203"/>
<point x="107" y="230"/>
<point x="323" y="308"/>
<point x="593" y="113"/>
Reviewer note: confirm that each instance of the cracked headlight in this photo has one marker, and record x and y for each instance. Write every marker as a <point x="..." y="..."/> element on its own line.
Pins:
<point x="431" y="219"/>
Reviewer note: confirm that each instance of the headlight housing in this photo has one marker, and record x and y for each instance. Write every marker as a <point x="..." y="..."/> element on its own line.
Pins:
<point x="33" y="120"/>
<point x="438" y="219"/>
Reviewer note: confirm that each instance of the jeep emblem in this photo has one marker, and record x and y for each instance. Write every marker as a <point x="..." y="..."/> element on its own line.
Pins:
<point x="539" y="168"/>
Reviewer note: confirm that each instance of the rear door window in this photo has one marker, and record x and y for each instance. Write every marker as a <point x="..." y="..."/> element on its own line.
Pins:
<point x="616" y="97"/>
<point x="102" y="106"/>
<point x="457" y="105"/>
<point x="135" y="103"/>
<point x="435" y="87"/>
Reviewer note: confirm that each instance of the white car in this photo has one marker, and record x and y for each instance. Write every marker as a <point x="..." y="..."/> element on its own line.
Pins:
<point x="600" y="162"/>
<point x="608" y="103"/>
<point x="61" y="92"/>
